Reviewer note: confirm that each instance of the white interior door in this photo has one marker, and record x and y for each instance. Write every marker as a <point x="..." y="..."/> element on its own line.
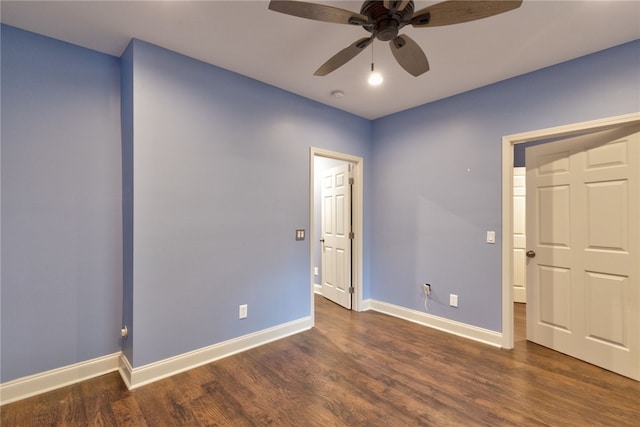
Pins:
<point x="336" y="238"/>
<point x="583" y="223"/>
<point x="519" y="234"/>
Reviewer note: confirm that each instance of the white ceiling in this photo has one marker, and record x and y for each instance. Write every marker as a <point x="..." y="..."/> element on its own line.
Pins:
<point x="284" y="51"/>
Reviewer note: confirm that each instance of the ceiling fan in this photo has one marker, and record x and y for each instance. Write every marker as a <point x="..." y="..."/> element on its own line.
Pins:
<point x="384" y="19"/>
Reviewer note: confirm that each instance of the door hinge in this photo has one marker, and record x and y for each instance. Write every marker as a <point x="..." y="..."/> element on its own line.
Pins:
<point x="351" y="290"/>
<point x="351" y="235"/>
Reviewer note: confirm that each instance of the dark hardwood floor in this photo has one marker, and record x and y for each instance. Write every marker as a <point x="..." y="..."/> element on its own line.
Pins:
<point x="356" y="369"/>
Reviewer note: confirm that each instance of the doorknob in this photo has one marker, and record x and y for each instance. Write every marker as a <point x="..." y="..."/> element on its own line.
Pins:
<point x="531" y="254"/>
<point x="321" y="240"/>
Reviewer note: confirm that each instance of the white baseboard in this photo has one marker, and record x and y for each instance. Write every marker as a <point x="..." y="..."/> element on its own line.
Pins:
<point x="136" y="377"/>
<point x="22" y="388"/>
<point x="32" y="385"/>
<point x="464" y="330"/>
<point x="125" y="369"/>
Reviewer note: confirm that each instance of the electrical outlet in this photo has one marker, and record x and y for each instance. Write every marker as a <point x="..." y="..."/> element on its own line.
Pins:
<point x="426" y="288"/>
<point x="242" y="311"/>
<point x="453" y="300"/>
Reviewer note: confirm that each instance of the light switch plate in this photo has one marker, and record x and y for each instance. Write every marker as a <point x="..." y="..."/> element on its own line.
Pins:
<point x="453" y="300"/>
<point x="491" y="236"/>
<point x="300" y="234"/>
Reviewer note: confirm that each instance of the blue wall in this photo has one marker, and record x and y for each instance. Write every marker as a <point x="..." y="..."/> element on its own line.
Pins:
<point x="61" y="204"/>
<point x="126" y="114"/>
<point x="213" y="179"/>
<point x="437" y="178"/>
<point x="220" y="183"/>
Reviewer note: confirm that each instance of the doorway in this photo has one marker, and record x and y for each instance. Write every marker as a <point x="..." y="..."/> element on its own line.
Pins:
<point x="519" y="235"/>
<point x="582" y="215"/>
<point x="508" y="143"/>
<point x="319" y="160"/>
<point x="336" y="233"/>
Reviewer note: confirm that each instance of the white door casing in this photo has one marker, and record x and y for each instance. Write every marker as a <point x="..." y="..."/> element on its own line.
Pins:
<point x="519" y="234"/>
<point x="583" y="289"/>
<point x="509" y="142"/>
<point x="336" y="235"/>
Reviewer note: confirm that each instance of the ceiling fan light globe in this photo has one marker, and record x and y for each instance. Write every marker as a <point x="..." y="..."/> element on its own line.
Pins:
<point x="375" y="78"/>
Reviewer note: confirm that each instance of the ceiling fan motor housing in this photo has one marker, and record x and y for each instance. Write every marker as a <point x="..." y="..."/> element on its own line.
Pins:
<point x="386" y="24"/>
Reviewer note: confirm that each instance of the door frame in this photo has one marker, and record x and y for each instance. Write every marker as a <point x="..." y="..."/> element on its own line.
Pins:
<point x="357" y="224"/>
<point x="508" y="142"/>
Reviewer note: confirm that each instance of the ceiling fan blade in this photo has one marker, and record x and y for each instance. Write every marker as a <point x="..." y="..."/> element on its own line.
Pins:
<point x="456" y="12"/>
<point x="409" y="55"/>
<point x="318" y="12"/>
<point x="344" y="56"/>
<point x="394" y="6"/>
<point x="403" y="4"/>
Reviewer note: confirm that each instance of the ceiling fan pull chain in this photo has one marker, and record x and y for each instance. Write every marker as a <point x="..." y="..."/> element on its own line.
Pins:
<point x="372" y="56"/>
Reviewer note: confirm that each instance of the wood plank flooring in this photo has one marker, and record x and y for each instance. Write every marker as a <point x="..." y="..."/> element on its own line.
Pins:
<point x="356" y="369"/>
